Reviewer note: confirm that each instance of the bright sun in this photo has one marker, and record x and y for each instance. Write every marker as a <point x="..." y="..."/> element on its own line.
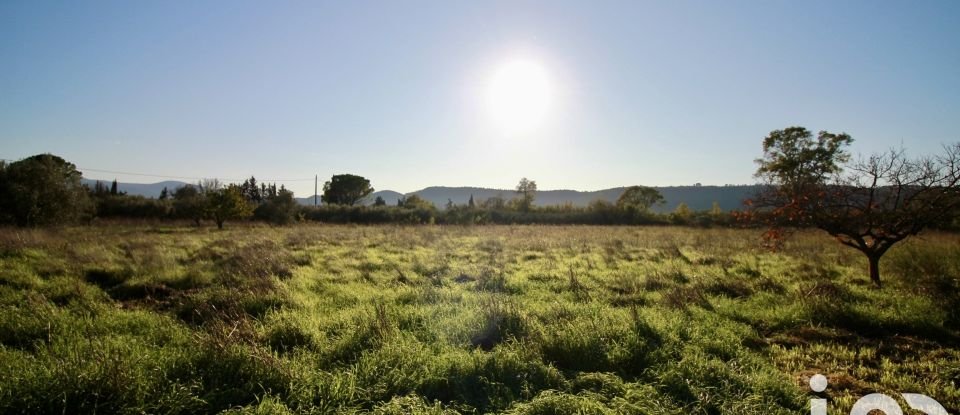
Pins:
<point x="519" y="96"/>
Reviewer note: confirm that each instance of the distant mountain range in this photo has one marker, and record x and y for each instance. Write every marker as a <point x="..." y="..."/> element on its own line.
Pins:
<point x="139" y="189"/>
<point x="696" y="197"/>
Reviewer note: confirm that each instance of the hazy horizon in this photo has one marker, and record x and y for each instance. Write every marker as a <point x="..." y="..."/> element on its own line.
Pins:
<point x="377" y="189"/>
<point x="659" y="94"/>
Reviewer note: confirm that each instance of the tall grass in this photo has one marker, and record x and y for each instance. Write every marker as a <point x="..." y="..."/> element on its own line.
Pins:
<point x="443" y="320"/>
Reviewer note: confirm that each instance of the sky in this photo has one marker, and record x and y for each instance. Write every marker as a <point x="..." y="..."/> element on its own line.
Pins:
<point x="651" y="93"/>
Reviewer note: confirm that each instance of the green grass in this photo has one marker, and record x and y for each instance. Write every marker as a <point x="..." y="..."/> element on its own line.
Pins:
<point x="443" y="320"/>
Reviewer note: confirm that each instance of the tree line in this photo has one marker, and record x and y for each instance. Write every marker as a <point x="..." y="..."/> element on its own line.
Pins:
<point x="869" y="203"/>
<point x="46" y="190"/>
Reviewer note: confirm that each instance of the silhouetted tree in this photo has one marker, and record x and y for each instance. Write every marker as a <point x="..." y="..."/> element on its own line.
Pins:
<point x="470" y="203"/>
<point x="379" y="201"/>
<point x="527" y="189"/>
<point x="164" y="194"/>
<point x="42" y="190"/>
<point x="869" y="205"/>
<point x="189" y="203"/>
<point x="494" y="202"/>
<point x="252" y="192"/>
<point x="207" y="186"/>
<point x="280" y="209"/>
<point x="346" y="189"/>
<point x="100" y="190"/>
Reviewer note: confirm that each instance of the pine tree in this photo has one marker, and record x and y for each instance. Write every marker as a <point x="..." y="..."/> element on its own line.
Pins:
<point x="470" y="202"/>
<point x="99" y="189"/>
<point x="113" y="187"/>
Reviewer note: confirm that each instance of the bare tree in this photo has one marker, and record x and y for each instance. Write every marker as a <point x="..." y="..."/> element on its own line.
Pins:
<point x="885" y="198"/>
<point x="868" y="204"/>
<point x="209" y="185"/>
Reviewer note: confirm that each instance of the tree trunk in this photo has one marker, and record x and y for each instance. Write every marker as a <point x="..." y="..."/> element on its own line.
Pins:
<point x="874" y="268"/>
<point x="220" y="226"/>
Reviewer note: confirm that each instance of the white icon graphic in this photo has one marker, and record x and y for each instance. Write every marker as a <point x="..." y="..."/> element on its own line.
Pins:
<point x="875" y="401"/>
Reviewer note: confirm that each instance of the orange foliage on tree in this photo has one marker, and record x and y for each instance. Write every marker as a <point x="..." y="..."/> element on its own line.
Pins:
<point x="868" y="204"/>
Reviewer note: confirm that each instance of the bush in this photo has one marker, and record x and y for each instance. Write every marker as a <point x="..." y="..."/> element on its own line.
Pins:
<point x="281" y="209"/>
<point x="139" y="207"/>
<point x="599" y="213"/>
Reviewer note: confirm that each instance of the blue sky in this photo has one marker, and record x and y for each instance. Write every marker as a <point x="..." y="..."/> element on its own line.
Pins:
<point x="654" y="93"/>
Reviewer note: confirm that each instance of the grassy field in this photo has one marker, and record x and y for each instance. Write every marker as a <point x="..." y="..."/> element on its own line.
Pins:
<point x="438" y="320"/>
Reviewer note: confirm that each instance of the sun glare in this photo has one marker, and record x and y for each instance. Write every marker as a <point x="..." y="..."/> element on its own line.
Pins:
<point x="519" y="96"/>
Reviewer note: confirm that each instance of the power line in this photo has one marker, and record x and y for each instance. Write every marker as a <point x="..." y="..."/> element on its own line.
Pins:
<point x="189" y="177"/>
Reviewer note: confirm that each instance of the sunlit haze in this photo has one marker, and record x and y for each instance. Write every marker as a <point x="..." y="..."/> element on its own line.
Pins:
<point x="520" y="95"/>
<point x="572" y="94"/>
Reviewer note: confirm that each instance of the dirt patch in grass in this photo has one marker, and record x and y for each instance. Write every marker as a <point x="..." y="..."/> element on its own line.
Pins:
<point x="107" y="278"/>
<point x="684" y="297"/>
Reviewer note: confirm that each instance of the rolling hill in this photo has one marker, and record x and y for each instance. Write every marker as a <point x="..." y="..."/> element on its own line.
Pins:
<point x="696" y="197"/>
<point x="138" y="189"/>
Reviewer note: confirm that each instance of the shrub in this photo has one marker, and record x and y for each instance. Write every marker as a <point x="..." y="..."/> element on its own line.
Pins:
<point x="281" y="209"/>
<point x="42" y="190"/>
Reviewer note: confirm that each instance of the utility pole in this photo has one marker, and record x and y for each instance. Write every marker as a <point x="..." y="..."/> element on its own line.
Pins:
<point x="315" y="176"/>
